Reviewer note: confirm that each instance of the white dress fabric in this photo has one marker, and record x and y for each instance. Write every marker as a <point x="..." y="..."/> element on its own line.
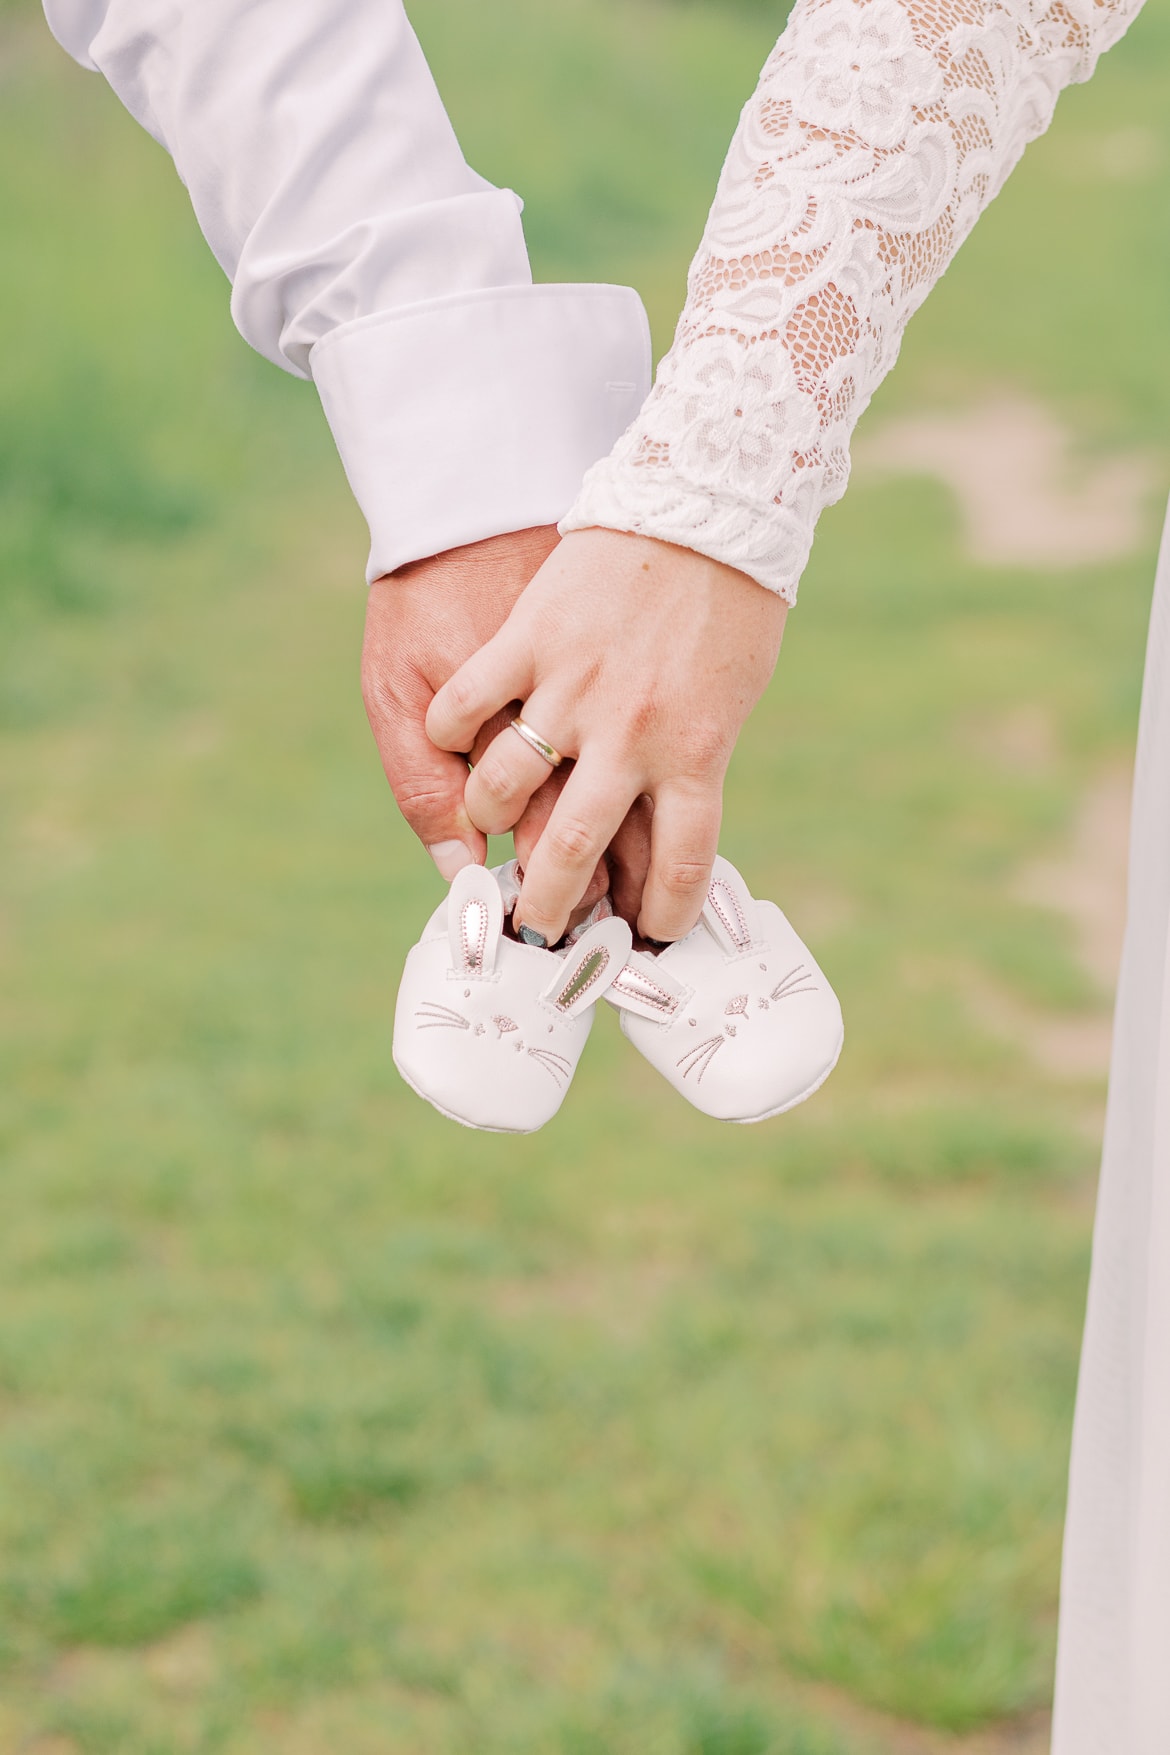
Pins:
<point x="1113" y="1664"/>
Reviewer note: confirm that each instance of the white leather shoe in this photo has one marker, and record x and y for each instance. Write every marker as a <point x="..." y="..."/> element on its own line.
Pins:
<point x="490" y="1031"/>
<point x="736" y="1015"/>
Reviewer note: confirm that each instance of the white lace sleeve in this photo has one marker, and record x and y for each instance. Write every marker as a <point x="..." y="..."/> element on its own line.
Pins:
<point x="879" y="132"/>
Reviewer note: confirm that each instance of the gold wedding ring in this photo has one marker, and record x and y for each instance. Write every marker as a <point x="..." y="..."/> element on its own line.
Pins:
<point x="535" y="742"/>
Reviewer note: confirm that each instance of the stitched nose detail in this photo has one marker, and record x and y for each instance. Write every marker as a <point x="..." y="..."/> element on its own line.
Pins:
<point x="737" y="1005"/>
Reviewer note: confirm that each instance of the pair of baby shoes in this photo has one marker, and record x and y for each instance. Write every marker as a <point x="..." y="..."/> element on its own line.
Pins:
<point x="736" y="1016"/>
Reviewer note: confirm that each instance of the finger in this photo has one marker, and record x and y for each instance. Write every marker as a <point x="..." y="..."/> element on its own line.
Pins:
<point x="629" y="860"/>
<point x="498" y="673"/>
<point x="490" y="730"/>
<point x="684" y="839"/>
<point x="427" y="783"/>
<point x="584" y="821"/>
<point x="502" y="782"/>
<point x="531" y="826"/>
<point x="621" y="872"/>
<point x="539" y="808"/>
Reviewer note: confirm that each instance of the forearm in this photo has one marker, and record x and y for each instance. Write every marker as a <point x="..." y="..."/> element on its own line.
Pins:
<point x="879" y="132"/>
<point x="364" y="252"/>
<point x="320" y="162"/>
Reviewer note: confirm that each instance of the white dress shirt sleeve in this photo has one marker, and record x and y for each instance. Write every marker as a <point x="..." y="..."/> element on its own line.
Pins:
<point x="366" y="254"/>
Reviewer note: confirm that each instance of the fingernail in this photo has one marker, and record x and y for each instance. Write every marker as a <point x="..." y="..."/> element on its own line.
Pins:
<point x="528" y="936"/>
<point x="450" y="857"/>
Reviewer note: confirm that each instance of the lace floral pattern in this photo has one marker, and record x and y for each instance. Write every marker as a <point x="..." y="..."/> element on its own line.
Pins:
<point x="878" y="133"/>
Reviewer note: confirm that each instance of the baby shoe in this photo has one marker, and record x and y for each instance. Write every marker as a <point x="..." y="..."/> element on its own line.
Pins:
<point x="489" y="1030"/>
<point x="736" y="1015"/>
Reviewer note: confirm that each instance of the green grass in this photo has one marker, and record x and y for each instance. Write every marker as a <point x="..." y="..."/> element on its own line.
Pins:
<point x="323" y="1424"/>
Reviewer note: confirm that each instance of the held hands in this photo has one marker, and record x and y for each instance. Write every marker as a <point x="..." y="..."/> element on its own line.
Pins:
<point x="422" y="623"/>
<point x="641" y="661"/>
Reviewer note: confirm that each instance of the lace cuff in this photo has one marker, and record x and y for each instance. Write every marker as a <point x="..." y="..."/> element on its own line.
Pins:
<point x="879" y="132"/>
<point x="470" y="416"/>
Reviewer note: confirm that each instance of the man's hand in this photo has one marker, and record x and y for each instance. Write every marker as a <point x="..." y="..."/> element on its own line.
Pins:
<point x="641" y="660"/>
<point x="422" y="623"/>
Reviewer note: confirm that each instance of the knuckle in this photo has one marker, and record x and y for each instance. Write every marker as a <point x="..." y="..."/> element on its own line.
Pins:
<point x="679" y="878"/>
<point x="492" y="781"/>
<point x="642" y="715"/>
<point x="638" y="717"/>
<point x="591" y="674"/>
<point x="704" y="746"/>
<point x="460" y="696"/>
<point x="379" y="695"/>
<point x="419" y="797"/>
<point x="570" y="841"/>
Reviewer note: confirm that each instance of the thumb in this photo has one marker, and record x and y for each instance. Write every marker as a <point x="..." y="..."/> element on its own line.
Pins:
<point x="427" y="783"/>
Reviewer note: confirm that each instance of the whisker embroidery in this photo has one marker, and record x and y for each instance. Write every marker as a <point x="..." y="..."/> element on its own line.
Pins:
<point x="798" y="980"/>
<point x="700" y="1057"/>
<point x="555" y="1065"/>
<point x="440" y="1017"/>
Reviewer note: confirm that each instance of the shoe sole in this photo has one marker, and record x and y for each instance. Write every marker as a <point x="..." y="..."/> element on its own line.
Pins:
<point x="450" y="1115"/>
<point x="764" y="1114"/>
<point x="735" y="1120"/>
<point x="793" y="1102"/>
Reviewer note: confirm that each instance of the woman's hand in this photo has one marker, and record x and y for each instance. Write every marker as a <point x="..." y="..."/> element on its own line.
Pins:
<point x="421" y="624"/>
<point x="642" y="661"/>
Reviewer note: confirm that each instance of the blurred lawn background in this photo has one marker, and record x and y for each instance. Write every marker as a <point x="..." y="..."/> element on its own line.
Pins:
<point x="328" y="1427"/>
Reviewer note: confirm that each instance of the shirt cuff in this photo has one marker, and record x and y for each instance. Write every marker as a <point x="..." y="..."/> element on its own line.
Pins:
<point x="477" y="414"/>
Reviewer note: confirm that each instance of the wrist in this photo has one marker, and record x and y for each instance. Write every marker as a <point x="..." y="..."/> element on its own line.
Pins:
<point x="698" y="584"/>
<point x="513" y="551"/>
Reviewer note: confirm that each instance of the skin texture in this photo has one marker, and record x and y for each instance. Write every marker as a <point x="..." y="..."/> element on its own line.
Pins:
<point x="641" y="661"/>
<point x="422" y="624"/>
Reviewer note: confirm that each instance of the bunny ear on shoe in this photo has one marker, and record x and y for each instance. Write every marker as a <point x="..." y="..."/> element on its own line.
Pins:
<point x="589" y="967"/>
<point x="475" y="920"/>
<point x="729" y="909"/>
<point x="489" y="1031"/>
<point x="646" y="990"/>
<point x="737" y="1015"/>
